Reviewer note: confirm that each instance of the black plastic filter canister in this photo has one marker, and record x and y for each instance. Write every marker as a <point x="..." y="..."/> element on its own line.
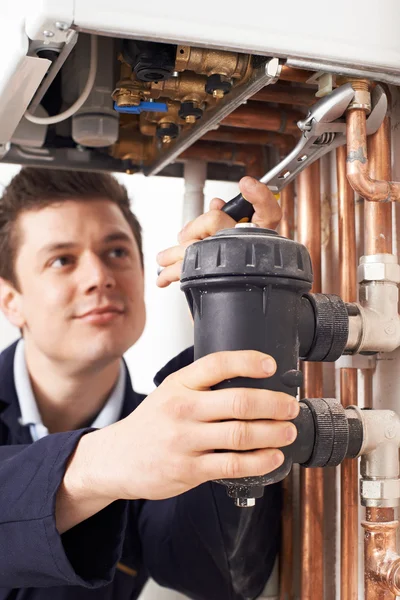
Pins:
<point x="244" y="287"/>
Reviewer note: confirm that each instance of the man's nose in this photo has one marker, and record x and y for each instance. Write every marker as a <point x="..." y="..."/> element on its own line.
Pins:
<point x="96" y="274"/>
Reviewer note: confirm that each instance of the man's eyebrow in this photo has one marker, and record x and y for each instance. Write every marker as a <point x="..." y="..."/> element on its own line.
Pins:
<point x="117" y="236"/>
<point x="57" y="246"/>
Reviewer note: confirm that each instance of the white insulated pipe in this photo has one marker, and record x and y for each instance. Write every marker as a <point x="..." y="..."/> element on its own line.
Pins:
<point x="195" y="175"/>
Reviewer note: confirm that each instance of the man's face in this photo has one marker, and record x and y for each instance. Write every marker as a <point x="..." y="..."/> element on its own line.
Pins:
<point x="81" y="284"/>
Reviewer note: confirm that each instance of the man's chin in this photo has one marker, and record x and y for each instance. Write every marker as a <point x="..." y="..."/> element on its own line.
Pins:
<point x="104" y="348"/>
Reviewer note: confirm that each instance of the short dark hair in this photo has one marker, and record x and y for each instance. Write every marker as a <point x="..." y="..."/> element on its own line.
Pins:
<point x="34" y="188"/>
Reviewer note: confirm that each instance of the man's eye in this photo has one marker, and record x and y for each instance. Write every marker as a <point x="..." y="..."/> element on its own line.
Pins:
<point x="61" y="261"/>
<point x="118" y="253"/>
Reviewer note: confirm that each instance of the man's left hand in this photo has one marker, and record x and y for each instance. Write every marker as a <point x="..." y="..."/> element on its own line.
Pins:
<point x="267" y="213"/>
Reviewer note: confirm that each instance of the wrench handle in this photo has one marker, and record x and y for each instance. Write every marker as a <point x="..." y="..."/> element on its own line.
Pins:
<point x="239" y="209"/>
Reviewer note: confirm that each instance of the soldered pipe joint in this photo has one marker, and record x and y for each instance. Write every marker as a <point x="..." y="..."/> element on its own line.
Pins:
<point x="382" y="563"/>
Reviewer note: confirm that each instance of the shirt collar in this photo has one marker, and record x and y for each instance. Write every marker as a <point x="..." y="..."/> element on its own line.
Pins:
<point x="30" y="414"/>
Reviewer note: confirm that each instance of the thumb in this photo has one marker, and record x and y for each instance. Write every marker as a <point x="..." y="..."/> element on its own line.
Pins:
<point x="267" y="212"/>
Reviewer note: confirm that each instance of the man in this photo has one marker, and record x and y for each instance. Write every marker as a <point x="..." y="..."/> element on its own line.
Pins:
<point x="99" y="486"/>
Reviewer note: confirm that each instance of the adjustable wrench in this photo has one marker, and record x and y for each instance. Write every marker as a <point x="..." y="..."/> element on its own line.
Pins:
<point x="323" y="130"/>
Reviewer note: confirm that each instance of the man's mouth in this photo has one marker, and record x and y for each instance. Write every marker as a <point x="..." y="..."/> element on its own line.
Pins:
<point x="102" y="314"/>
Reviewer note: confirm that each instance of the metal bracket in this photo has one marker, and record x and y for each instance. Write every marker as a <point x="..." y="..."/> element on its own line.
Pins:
<point x="264" y="75"/>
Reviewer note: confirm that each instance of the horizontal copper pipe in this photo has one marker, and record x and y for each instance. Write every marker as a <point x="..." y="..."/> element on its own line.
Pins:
<point x="357" y="163"/>
<point x="286" y="95"/>
<point x="378" y="216"/>
<point x="284" y="143"/>
<point x="291" y="74"/>
<point x="250" y="156"/>
<point x="254" y="115"/>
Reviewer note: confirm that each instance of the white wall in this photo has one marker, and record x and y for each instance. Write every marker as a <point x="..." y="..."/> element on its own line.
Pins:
<point x="158" y="203"/>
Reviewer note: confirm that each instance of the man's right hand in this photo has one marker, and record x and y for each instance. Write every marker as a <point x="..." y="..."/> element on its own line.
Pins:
<point x="167" y="445"/>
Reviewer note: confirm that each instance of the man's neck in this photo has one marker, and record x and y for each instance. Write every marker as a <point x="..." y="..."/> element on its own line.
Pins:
<point x="66" y="399"/>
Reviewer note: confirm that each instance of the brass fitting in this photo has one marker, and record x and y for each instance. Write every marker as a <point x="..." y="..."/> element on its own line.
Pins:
<point x="130" y="91"/>
<point x="218" y="94"/>
<point x="188" y="87"/>
<point x="210" y="62"/>
<point x="133" y="146"/>
<point x="362" y="98"/>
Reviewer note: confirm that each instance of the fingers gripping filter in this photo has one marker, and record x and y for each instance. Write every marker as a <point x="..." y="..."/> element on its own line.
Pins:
<point x="245" y="287"/>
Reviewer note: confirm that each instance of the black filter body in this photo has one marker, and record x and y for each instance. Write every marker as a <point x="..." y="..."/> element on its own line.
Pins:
<point x="245" y="289"/>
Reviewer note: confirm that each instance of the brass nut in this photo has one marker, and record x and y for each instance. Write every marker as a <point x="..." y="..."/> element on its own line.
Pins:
<point x="362" y="99"/>
<point x="191" y="119"/>
<point x="379" y="271"/>
<point x="380" y="493"/>
<point x="167" y="139"/>
<point x="219" y="94"/>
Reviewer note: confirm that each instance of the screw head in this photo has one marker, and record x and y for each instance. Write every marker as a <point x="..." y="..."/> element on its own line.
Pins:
<point x="190" y="119"/>
<point x="245" y="502"/>
<point x="61" y="26"/>
<point x="166" y="139"/>
<point x="48" y="33"/>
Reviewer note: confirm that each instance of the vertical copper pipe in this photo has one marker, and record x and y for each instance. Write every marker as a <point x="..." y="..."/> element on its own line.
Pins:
<point x="348" y="386"/>
<point x="286" y="575"/>
<point x="349" y="502"/>
<point x="311" y="485"/>
<point x="378" y="239"/>
<point x="286" y="227"/>
<point x="286" y="553"/>
<point x="377" y="216"/>
<point x="347" y="231"/>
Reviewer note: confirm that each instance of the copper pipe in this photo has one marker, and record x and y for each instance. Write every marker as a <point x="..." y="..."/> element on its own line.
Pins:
<point x="286" y="575"/>
<point x="348" y="385"/>
<point x="286" y="553"/>
<point x="378" y="217"/>
<point x="286" y="226"/>
<point x="254" y="115"/>
<point x="292" y="74"/>
<point x="284" y="143"/>
<point x="382" y="563"/>
<point x="311" y="483"/>
<point x="375" y="190"/>
<point x="286" y="95"/>
<point x="347" y="231"/>
<point x="251" y="156"/>
<point x="349" y="502"/>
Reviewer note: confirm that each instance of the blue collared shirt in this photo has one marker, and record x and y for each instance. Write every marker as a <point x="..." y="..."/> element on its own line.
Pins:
<point x="30" y="414"/>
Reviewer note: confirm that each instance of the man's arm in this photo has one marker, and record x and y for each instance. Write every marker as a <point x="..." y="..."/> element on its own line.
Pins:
<point x="32" y="552"/>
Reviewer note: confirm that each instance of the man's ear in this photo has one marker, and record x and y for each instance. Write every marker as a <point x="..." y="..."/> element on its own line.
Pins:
<point x="11" y="303"/>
